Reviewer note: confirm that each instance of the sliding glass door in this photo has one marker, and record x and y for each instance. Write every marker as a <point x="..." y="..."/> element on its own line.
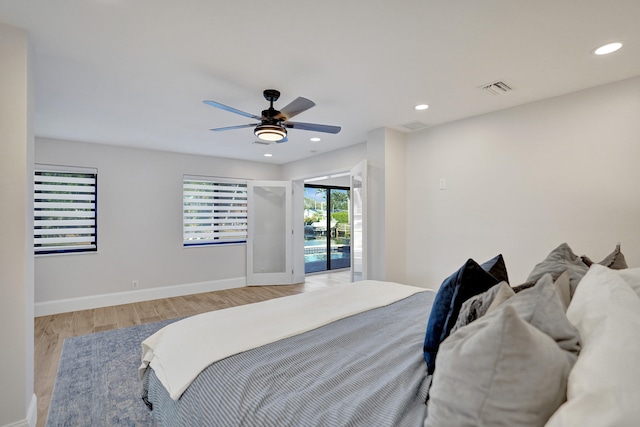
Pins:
<point x="327" y="231"/>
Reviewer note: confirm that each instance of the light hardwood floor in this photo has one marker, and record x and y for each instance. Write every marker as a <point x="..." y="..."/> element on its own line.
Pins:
<point x="50" y="331"/>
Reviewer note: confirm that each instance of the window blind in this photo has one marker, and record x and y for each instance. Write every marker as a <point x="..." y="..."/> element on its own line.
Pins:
<point x="214" y="211"/>
<point x="64" y="210"/>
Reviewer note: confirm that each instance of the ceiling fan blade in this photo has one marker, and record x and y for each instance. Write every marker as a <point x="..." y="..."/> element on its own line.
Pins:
<point x="313" y="126"/>
<point x="294" y="108"/>
<point x="249" y="125"/>
<point x="231" y="109"/>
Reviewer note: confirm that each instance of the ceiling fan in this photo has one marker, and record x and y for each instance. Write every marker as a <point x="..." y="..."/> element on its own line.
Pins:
<point x="273" y="123"/>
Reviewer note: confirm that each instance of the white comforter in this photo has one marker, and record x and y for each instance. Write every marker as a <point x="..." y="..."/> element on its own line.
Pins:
<point x="180" y="351"/>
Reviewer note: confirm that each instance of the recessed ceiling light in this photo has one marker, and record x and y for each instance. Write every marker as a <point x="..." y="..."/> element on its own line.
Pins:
<point x="268" y="155"/>
<point x="607" y="48"/>
<point x="421" y="107"/>
<point x="315" y="139"/>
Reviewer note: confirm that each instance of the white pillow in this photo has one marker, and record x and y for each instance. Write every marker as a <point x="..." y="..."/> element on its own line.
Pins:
<point x="603" y="386"/>
<point x="632" y="277"/>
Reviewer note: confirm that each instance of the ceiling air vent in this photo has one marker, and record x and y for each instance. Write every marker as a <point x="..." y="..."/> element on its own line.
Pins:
<point x="496" y="88"/>
<point x="414" y="125"/>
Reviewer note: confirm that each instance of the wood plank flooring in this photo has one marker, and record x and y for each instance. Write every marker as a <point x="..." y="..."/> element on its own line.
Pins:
<point x="50" y="331"/>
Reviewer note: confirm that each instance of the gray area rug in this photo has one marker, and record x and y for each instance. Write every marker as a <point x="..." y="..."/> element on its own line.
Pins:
<point x="97" y="382"/>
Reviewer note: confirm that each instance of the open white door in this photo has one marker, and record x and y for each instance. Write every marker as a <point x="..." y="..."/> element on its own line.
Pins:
<point x="297" y="236"/>
<point x="269" y="237"/>
<point x="358" y="220"/>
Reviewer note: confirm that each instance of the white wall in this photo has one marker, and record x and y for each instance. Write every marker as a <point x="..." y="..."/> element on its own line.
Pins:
<point x="375" y="215"/>
<point x="139" y="229"/>
<point x="17" y="401"/>
<point x="395" y="191"/>
<point x="335" y="161"/>
<point x="523" y="180"/>
<point x="386" y="201"/>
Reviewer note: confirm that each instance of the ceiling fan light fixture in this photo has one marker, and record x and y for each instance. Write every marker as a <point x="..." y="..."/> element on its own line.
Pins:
<point x="268" y="132"/>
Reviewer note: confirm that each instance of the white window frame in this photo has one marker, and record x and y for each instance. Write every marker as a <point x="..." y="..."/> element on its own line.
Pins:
<point x="214" y="211"/>
<point x="65" y="209"/>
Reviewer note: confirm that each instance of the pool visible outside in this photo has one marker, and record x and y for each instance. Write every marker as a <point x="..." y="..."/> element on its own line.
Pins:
<point x="323" y="256"/>
<point x="315" y="257"/>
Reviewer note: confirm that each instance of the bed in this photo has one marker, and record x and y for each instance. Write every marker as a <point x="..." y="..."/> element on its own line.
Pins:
<point x="372" y="362"/>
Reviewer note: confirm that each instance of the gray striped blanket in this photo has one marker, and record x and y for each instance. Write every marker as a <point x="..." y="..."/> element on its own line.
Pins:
<point x="364" y="370"/>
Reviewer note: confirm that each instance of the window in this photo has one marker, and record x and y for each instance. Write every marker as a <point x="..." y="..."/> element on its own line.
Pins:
<point x="214" y="211"/>
<point x="64" y="209"/>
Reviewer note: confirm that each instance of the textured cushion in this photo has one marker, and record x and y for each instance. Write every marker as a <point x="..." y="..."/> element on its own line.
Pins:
<point x="557" y="262"/>
<point x="603" y="385"/>
<point x="498" y="371"/>
<point x="476" y="306"/>
<point x="471" y="279"/>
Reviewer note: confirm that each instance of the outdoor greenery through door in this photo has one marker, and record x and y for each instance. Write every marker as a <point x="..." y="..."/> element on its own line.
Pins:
<point x="327" y="232"/>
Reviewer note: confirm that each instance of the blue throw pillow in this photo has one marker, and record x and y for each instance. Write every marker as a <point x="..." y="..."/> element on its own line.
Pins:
<point x="470" y="280"/>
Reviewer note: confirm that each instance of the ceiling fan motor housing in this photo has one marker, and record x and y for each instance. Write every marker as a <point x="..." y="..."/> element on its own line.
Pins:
<point x="271" y="95"/>
<point x="268" y="116"/>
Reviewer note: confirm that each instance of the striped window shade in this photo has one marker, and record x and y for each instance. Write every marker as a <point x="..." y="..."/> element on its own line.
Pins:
<point x="214" y="211"/>
<point x="64" y="209"/>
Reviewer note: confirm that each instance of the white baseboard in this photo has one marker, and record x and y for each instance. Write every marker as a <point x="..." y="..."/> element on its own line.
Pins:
<point x="104" y="300"/>
<point x="21" y="423"/>
<point x="32" y="415"/>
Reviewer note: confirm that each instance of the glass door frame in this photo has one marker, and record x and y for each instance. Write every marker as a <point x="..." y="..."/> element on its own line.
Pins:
<point x="328" y="189"/>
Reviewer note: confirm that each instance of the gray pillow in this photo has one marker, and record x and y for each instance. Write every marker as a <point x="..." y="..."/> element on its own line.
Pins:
<point x="615" y="260"/>
<point x="563" y="287"/>
<point x="542" y="308"/>
<point x="503" y="294"/>
<point x="557" y="262"/>
<point x="477" y="306"/>
<point x="498" y="371"/>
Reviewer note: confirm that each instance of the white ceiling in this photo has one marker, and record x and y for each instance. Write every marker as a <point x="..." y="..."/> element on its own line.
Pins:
<point x="135" y="72"/>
